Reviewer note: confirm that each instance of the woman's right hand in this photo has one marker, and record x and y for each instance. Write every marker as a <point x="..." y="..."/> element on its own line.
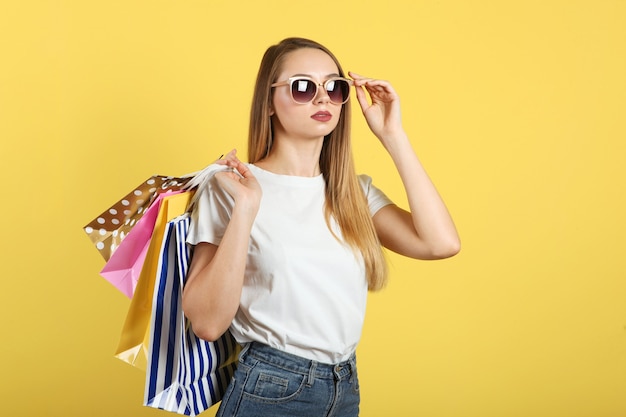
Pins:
<point x="240" y="183"/>
<point x="215" y="278"/>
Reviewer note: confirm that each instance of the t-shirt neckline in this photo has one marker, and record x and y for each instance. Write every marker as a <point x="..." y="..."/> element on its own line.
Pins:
<point x="286" y="179"/>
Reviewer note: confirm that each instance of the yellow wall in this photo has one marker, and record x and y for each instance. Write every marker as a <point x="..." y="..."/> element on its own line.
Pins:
<point x="517" y="109"/>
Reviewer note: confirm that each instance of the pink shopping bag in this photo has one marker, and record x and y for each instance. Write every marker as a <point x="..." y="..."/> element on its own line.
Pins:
<point x="124" y="266"/>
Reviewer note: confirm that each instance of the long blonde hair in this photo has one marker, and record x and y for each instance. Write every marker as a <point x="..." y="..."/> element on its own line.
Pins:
<point x="345" y="201"/>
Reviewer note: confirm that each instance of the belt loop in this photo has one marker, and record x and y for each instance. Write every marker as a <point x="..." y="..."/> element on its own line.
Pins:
<point x="352" y="368"/>
<point x="309" y="381"/>
<point x="244" y="350"/>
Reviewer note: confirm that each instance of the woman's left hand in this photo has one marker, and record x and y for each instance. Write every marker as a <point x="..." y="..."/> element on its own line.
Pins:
<point x="383" y="113"/>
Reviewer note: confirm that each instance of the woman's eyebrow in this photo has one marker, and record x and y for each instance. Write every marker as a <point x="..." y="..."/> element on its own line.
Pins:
<point x="334" y="74"/>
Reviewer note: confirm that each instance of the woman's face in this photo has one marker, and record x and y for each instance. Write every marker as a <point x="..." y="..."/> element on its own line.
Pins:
<point x="312" y="120"/>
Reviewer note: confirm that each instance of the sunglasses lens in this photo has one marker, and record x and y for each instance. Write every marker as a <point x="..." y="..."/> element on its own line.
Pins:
<point x="338" y="91"/>
<point x="303" y="90"/>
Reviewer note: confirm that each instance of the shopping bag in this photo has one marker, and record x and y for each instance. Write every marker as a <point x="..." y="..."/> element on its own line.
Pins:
<point x="133" y="344"/>
<point x="185" y="374"/>
<point x="109" y="229"/>
<point x="125" y="264"/>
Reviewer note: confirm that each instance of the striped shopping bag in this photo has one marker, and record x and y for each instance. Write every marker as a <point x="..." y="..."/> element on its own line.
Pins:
<point x="185" y="375"/>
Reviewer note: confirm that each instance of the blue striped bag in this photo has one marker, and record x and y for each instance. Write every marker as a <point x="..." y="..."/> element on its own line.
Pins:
<point x="185" y="374"/>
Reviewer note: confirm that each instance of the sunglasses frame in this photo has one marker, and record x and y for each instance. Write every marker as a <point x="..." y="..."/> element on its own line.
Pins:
<point x="289" y="81"/>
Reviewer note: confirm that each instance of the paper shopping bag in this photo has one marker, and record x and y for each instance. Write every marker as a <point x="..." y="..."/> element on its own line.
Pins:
<point x="125" y="264"/>
<point x="185" y="374"/>
<point x="134" y="339"/>
<point x="109" y="229"/>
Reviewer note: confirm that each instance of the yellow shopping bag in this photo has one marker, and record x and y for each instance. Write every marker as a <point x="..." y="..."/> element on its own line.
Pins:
<point x="135" y="337"/>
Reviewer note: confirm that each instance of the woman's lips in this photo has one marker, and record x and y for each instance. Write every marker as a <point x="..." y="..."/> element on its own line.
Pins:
<point x="322" y="116"/>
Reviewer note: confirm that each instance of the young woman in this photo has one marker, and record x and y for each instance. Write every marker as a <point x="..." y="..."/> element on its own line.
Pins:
<point x="287" y="245"/>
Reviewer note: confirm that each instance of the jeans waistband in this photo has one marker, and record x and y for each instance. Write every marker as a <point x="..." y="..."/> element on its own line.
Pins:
<point x="298" y="364"/>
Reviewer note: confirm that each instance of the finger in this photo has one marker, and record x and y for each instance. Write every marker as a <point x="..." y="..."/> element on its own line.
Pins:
<point x="359" y="80"/>
<point x="367" y="81"/>
<point x="243" y="170"/>
<point x="231" y="159"/>
<point x="379" y="86"/>
<point x="226" y="177"/>
<point x="381" y="90"/>
<point x="361" y="97"/>
<point x="232" y="155"/>
<point x="356" y="76"/>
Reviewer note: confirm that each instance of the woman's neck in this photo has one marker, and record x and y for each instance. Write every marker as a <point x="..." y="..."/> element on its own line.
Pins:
<point x="289" y="158"/>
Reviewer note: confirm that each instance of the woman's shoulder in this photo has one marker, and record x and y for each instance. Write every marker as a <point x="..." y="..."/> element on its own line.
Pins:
<point x="376" y="198"/>
<point x="365" y="181"/>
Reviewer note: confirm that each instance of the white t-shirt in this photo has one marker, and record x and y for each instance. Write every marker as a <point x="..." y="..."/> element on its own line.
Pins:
<point x="304" y="292"/>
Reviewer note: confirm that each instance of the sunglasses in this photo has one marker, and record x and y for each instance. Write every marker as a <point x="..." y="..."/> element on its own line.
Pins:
<point x="304" y="89"/>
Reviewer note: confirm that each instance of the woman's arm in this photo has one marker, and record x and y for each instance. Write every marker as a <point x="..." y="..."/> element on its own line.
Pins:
<point x="215" y="279"/>
<point x="427" y="231"/>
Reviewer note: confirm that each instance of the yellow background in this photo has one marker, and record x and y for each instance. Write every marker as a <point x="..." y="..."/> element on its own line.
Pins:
<point x="517" y="109"/>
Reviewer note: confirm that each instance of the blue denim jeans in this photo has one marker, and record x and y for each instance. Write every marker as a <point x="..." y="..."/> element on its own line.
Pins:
<point x="272" y="383"/>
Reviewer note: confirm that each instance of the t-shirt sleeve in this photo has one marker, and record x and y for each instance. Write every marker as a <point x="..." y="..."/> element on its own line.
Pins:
<point x="210" y="215"/>
<point x="376" y="199"/>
